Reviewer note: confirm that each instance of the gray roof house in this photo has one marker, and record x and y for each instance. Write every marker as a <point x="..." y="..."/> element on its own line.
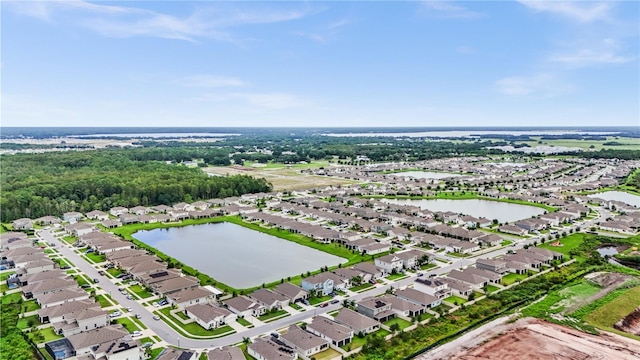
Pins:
<point x="304" y="342"/>
<point x="328" y="329"/>
<point x="357" y="322"/>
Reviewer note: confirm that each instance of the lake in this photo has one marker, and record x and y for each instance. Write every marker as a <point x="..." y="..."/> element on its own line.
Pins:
<point x="235" y="255"/>
<point x="426" y="174"/>
<point x="625" y="197"/>
<point x="504" y="212"/>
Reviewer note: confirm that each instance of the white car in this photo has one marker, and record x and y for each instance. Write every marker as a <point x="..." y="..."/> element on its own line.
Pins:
<point x="155" y="304"/>
<point x="129" y="309"/>
<point x="136" y="333"/>
<point x="115" y="314"/>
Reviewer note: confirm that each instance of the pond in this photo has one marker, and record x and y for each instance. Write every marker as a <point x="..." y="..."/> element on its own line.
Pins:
<point x="625" y="197"/>
<point x="504" y="212"/>
<point x="235" y="255"/>
<point x="607" y="250"/>
<point x="426" y="174"/>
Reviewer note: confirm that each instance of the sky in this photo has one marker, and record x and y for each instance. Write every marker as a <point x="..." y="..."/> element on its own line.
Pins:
<point x="315" y="64"/>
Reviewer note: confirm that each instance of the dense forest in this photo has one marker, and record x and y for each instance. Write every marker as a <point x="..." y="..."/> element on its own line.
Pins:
<point x="35" y="185"/>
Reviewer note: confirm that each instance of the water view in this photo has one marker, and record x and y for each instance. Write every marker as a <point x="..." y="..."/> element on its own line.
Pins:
<point x="426" y="174"/>
<point x="504" y="212"/>
<point x="625" y="197"/>
<point x="235" y="255"/>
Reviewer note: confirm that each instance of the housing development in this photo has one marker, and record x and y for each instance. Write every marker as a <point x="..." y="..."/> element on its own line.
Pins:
<point x="415" y="243"/>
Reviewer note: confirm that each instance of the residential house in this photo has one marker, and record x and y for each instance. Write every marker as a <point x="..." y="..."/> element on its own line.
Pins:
<point x="72" y="217"/>
<point x="209" y="316"/>
<point x="244" y="307"/>
<point x="191" y="296"/>
<point x="292" y="292"/>
<point x="357" y="322"/>
<point x="81" y="320"/>
<point x="368" y="268"/>
<point x="22" y="224"/>
<point x="418" y="297"/>
<point x="458" y="287"/>
<point x="476" y="282"/>
<point x="324" y="283"/>
<point x="389" y="264"/>
<point x="176" y="354"/>
<point x="48" y="220"/>
<point x="493" y="265"/>
<point x="403" y="307"/>
<point x="262" y="349"/>
<point x="338" y="334"/>
<point x="102" y="340"/>
<point x="304" y="342"/>
<point x="434" y="287"/>
<point x="118" y="210"/>
<point x="270" y="299"/>
<point x="169" y="286"/>
<point x="226" y="353"/>
<point x="376" y="309"/>
<point x="97" y="215"/>
<point x="61" y="297"/>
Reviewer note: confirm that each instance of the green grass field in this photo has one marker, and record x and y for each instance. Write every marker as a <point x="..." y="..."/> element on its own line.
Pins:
<point x="607" y="315"/>
<point x="23" y="323"/>
<point x="402" y="323"/>
<point x="47" y="335"/>
<point x="362" y="287"/>
<point x="128" y="324"/>
<point x="96" y="258"/>
<point x="193" y="328"/>
<point x="512" y="278"/>
<point x="272" y="316"/>
<point x="455" y="300"/>
<point x="104" y="302"/>
<point x="140" y="291"/>
<point x="568" y="243"/>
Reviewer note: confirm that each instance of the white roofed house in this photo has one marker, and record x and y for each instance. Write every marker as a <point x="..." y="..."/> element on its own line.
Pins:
<point x="191" y="296"/>
<point x="435" y="287"/>
<point x="389" y="263"/>
<point x="328" y="329"/>
<point x="271" y="300"/>
<point x="324" y="283"/>
<point x="304" y="342"/>
<point x="22" y="224"/>
<point x="209" y="316"/>
<point x="97" y="215"/>
<point x="79" y="229"/>
<point x="244" y="307"/>
<point x="118" y="210"/>
<point x="72" y="217"/>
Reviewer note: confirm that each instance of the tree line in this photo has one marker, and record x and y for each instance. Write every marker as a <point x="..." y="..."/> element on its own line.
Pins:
<point x="35" y="185"/>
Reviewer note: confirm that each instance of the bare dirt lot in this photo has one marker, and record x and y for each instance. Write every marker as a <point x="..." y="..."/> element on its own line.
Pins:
<point x="281" y="178"/>
<point x="529" y="339"/>
<point x="630" y="323"/>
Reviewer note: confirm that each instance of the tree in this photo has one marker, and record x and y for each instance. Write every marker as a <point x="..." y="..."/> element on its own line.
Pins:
<point x="394" y="327"/>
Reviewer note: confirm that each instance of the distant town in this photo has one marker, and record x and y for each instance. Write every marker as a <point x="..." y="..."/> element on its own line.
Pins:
<point x="408" y="243"/>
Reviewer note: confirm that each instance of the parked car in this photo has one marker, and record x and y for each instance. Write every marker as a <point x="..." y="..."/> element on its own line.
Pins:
<point x="136" y="333"/>
<point x="96" y="280"/>
<point x="129" y="309"/>
<point x="129" y="297"/>
<point x="156" y="317"/>
<point x="420" y="274"/>
<point x="147" y="344"/>
<point x="324" y="305"/>
<point x="138" y="316"/>
<point x="155" y="304"/>
<point x="115" y="314"/>
<point x="65" y="267"/>
<point x="101" y="272"/>
<point x="335" y="301"/>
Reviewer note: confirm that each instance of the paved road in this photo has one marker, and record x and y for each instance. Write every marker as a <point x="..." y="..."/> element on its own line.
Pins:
<point x="173" y="338"/>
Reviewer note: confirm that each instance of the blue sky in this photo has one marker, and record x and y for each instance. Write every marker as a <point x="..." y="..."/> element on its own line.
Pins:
<point x="427" y="63"/>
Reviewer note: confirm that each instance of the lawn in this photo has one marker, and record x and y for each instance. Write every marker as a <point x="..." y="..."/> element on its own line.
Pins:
<point x="397" y="276"/>
<point x="425" y="316"/>
<point x="27" y="322"/>
<point x="506" y="242"/>
<point x="47" y="335"/>
<point x="317" y="300"/>
<point x="69" y="239"/>
<point x="428" y="266"/>
<point x="295" y="306"/>
<point x="327" y="355"/>
<point x="455" y="254"/>
<point x="512" y="278"/>
<point x="11" y="298"/>
<point x="139" y="290"/>
<point x="96" y="258"/>
<point x="104" y="302"/>
<point x="402" y="323"/>
<point x="272" y="316"/>
<point x="155" y="353"/>
<point x="193" y="328"/>
<point x="81" y="280"/>
<point x="491" y="288"/>
<point x="115" y="272"/>
<point x="139" y="323"/>
<point x="362" y="287"/>
<point x="5" y="276"/>
<point x="146" y="340"/>
<point x="568" y="243"/>
<point x="610" y="313"/>
<point x="455" y="300"/>
<point x="30" y="305"/>
<point x="244" y="322"/>
<point x="128" y="324"/>
<point x="358" y="341"/>
<point x="64" y="262"/>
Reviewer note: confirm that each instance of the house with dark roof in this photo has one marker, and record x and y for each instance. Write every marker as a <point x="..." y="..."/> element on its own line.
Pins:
<point x="226" y="353"/>
<point x="292" y="292"/>
<point x="376" y="309"/>
<point x="418" y="297"/>
<point x="264" y="349"/>
<point x="304" y="342"/>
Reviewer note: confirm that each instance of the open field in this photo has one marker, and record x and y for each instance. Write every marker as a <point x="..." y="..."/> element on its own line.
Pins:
<point x="608" y="314"/>
<point x="609" y="143"/>
<point x="281" y="176"/>
<point x="537" y="339"/>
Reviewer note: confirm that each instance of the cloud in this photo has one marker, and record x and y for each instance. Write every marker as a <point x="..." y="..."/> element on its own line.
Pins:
<point x="123" y="21"/>
<point x="582" y="11"/>
<point x="447" y="9"/>
<point x="540" y="84"/>
<point x="325" y="34"/>
<point x="602" y="53"/>
<point x="209" y="81"/>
